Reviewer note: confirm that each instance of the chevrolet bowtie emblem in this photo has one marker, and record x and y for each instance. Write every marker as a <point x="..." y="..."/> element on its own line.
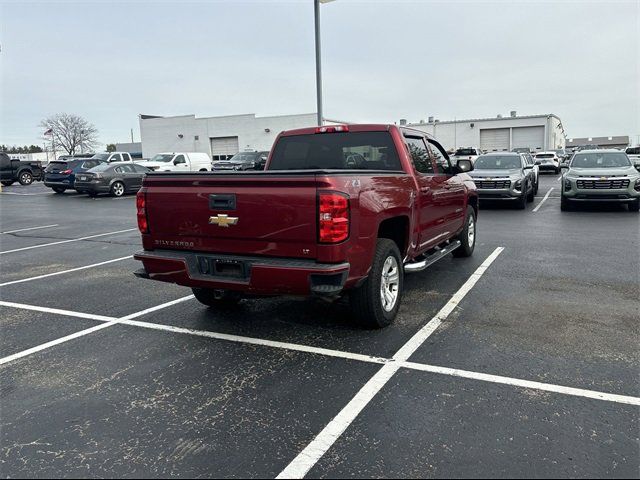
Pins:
<point x="223" y="220"/>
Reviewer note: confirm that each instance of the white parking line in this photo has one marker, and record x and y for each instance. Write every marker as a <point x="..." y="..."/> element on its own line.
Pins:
<point x="82" y="333"/>
<point x="30" y="228"/>
<point x="454" y="372"/>
<point x="544" y="199"/>
<point x="24" y="194"/>
<point x="310" y="455"/>
<point x="65" y="271"/>
<point x="547" y="387"/>
<point x="66" y="241"/>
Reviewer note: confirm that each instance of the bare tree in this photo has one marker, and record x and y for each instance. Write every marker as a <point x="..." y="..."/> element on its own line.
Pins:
<point x="72" y="133"/>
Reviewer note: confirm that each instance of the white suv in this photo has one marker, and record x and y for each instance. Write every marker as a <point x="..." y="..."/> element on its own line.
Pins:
<point x="548" y="161"/>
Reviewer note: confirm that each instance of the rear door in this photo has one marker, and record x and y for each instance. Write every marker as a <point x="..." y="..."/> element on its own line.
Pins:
<point x="427" y="216"/>
<point x="244" y="214"/>
<point x="449" y="192"/>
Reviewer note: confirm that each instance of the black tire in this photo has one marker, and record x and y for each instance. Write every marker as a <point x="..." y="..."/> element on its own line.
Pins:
<point x="535" y="190"/>
<point x="216" y="298"/>
<point x="366" y="300"/>
<point x="59" y="189"/>
<point x="7" y="183"/>
<point x="634" y="206"/>
<point x="565" y="205"/>
<point x="25" y="177"/>
<point x="521" y="203"/>
<point x="117" y="189"/>
<point x="468" y="242"/>
<point x="531" y="195"/>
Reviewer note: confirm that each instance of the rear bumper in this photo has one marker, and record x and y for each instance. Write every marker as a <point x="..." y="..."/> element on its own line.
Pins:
<point x="93" y="187"/>
<point x="260" y="275"/>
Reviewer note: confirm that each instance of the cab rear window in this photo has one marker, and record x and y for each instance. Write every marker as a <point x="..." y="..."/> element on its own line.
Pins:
<point x="336" y="151"/>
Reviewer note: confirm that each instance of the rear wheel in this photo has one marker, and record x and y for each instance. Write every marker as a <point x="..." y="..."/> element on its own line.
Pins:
<point x="59" y="189"/>
<point x="467" y="236"/>
<point x="635" y="206"/>
<point x="25" y="178"/>
<point x="216" y="298"/>
<point x="375" y="303"/>
<point x="7" y="183"/>
<point x="117" y="189"/>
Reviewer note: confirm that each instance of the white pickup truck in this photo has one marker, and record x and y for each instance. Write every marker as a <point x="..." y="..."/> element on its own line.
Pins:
<point x="179" y="162"/>
<point x="466" y="153"/>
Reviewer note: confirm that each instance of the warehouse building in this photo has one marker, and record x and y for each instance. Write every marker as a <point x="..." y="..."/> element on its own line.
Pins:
<point x="220" y="137"/>
<point x="619" y="141"/>
<point x="538" y="132"/>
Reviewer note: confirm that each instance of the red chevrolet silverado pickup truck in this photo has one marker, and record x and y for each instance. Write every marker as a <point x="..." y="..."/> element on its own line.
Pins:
<point x="339" y="210"/>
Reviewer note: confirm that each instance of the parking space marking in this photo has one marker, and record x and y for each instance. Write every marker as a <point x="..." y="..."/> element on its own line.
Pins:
<point x="310" y="455"/>
<point x="67" y="241"/>
<point x="30" y="228"/>
<point x="544" y="199"/>
<point x="396" y="364"/>
<point x="547" y="387"/>
<point x="65" y="271"/>
<point x="82" y="333"/>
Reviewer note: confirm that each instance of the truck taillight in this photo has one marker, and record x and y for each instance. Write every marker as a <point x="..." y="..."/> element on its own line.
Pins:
<point x="67" y="172"/>
<point x="333" y="129"/>
<point x="141" y="205"/>
<point x="333" y="215"/>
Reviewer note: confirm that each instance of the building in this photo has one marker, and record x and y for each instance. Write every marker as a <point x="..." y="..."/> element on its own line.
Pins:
<point x="620" y="141"/>
<point x="539" y="132"/>
<point x="220" y="137"/>
<point x="134" y="148"/>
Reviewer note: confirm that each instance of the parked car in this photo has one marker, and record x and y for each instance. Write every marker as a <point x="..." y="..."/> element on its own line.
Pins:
<point x="523" y="150"/>
<point x="601" y="176"/>
<point x="14" y="170"/>
<point x="535" y="169"/>
<point x="505" y="176"/>
<point x="314" y="223"/>
<point x="468" y="153"/>
<point x="60" y="175"/>
<point x="115" y="178"/>
<point x="112" y="157"/>
<point x="179" y="162"/>
<point x="634" y="155"/>
<point x="243" y="161"/>
<point x="548" y="161"/>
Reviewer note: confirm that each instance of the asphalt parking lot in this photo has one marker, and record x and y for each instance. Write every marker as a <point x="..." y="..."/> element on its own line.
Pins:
<point x="521" y="361"/>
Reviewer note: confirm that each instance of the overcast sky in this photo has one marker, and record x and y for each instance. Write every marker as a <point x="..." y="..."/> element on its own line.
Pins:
<point x="382" y="60"/>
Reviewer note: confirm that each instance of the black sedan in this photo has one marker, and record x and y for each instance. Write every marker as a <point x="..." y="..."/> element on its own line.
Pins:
<point x="114" y="178"/>
<point x="243" y="161"/>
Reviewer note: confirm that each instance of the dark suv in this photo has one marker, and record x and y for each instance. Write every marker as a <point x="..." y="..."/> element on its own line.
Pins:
<point x="60" y="175"/>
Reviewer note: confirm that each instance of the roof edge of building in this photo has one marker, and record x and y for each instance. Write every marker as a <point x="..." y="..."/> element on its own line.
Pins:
<point x="544" y="115"/>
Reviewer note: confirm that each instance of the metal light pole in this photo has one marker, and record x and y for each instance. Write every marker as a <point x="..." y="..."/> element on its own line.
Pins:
<point x="316" y="8"/>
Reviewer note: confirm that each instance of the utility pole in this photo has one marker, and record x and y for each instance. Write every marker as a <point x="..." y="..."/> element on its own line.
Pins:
<point x="132" y="135"/>
<point x="316" y="7"/>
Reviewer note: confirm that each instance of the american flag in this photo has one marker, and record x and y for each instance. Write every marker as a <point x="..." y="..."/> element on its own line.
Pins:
<point x="49" y="132"/>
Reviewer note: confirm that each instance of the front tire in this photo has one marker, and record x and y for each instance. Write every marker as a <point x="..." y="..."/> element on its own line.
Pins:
<point x="375" y="303"/>
<point x="25" y="178"/>
<point x="467" y="236"/>
<point x="216" y="298"/>
<point x="59" y="189"/>
<point x="521" y="203"/>
<point x="635" y="206"/>
<point x="565" y="205"/>
<point x="7" y="183"/>
<point x="117" y="189"/>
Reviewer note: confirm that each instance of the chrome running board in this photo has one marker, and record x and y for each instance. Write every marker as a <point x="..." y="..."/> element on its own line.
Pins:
<point x="418" y="266"/>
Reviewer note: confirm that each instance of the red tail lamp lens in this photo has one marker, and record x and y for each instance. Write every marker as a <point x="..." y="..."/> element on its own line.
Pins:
<point x="333" y="218"/>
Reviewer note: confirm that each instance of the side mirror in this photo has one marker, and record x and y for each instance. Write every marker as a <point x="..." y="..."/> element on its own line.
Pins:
<point x="464" y="166"/>
<point x="565" y="165"/>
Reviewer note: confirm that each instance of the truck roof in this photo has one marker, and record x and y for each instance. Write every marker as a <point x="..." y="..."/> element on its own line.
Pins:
<point x="357" y="127"/>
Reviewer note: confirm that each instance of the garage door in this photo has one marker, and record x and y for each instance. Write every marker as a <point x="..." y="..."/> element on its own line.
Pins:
<point x="223" y="147"/>
<point x="492" y="139"/>
<point x="532" y="137"/>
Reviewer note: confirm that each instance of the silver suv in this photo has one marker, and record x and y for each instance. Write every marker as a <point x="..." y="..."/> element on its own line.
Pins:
<point x="600" y="176"/>
<point x="504" y="176"/>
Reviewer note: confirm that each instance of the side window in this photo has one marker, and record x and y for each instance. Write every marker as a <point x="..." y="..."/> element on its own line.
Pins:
<point x="419" y="155"/>
<point x="128" y="169"/>
<point x="442" y="162"/>
<point x="140" y="168"/>
<point x="115" y="158"/>
<point x="179" y="159"/>
<point x="126" y="157"/>
<point x="118" y="170"/>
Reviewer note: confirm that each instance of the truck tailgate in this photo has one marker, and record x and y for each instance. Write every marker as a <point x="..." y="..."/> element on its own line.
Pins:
<point x="276" y="214"/>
